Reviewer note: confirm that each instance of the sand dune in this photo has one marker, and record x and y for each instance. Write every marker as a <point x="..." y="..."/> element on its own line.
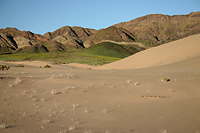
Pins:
<point x="165" y="54"/>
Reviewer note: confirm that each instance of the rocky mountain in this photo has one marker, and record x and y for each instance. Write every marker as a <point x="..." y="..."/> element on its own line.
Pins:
<point x="111" y="33"/>
<point x="157" y="29"/>
<point x="70" y="35"/>
<point x="67" y="31"/>
<point x="150" y="30"/>
<point x="12" y="39"/>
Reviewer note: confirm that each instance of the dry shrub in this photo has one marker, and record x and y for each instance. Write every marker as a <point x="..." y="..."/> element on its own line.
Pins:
<point x="63" y="76"/>
<point x="4" y="67"/>
<point x="47" y="66"/>
<point x="164" y="79"/>
<point x="19" y="65"/>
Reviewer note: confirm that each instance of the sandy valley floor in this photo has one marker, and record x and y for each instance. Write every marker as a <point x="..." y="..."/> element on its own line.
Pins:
<point x="67" y="98"/>
<point x="64" y="98"/>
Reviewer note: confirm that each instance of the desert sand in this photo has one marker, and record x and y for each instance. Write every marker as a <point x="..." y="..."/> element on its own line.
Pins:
<point x="138" y="98"/>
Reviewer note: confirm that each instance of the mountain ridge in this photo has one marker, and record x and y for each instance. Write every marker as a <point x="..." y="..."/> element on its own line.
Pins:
<point x="149" y="30"/>
<point x="157" y="29"/>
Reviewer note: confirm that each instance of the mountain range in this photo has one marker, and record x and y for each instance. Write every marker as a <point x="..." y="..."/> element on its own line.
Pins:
<point x="147" y="31"/>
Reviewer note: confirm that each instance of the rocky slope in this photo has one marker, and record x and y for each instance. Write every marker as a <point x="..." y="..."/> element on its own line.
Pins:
<point x="7" y="43"/>
<point x="37" y="48"/>
<point x="70" y="35"/>
<point x="157" y="29"/>
<point x="12" y="39"/>
<point x="111" y="33"/>
<point x="67" y="31"/>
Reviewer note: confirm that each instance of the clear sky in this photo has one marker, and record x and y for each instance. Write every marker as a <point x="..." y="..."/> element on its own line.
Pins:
<point x="41" y="16"/>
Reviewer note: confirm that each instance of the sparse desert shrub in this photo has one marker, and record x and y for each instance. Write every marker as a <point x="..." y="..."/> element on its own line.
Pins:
<point x="17" y="81"/>
<point x="164" y="79"/>
<point x="77" y="121"/>
<point x="75" y="105"/>
<point x="3" y="126"/>
<point x="19" y="65"/>
<point x="45" y="120"/>
<point x="63" y="76"/>
<point x="47" y="66"/>
<point x="69" y="75"/>
<point x="53" y="92"/>
<point x="42" y="127"/>
<point x="4" y="67"/>
<point x="136" y="83"/>
<point x="34" y="99"/>
<point x="71" y="128"/>
<point x="86" y="110"/>
<point x="129" y="81"/>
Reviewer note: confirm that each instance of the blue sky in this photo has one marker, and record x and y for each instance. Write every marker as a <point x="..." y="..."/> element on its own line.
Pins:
<point x="41" y="16"/>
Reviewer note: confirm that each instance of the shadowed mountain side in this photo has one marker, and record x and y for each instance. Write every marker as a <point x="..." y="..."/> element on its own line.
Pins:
<point x="51" y="46"/>
<point x="7" y="44"/>
<point x="37" y="48"/>
<point x="165" y="54"/>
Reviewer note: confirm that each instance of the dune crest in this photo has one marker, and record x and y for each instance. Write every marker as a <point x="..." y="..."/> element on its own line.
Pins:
<point x="161" y="55"/>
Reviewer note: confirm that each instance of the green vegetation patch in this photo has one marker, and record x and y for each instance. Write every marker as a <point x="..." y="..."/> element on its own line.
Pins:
<point x="61" y="58"/>
<point x="27" y="56"/>
<point x="107" y="49"/>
